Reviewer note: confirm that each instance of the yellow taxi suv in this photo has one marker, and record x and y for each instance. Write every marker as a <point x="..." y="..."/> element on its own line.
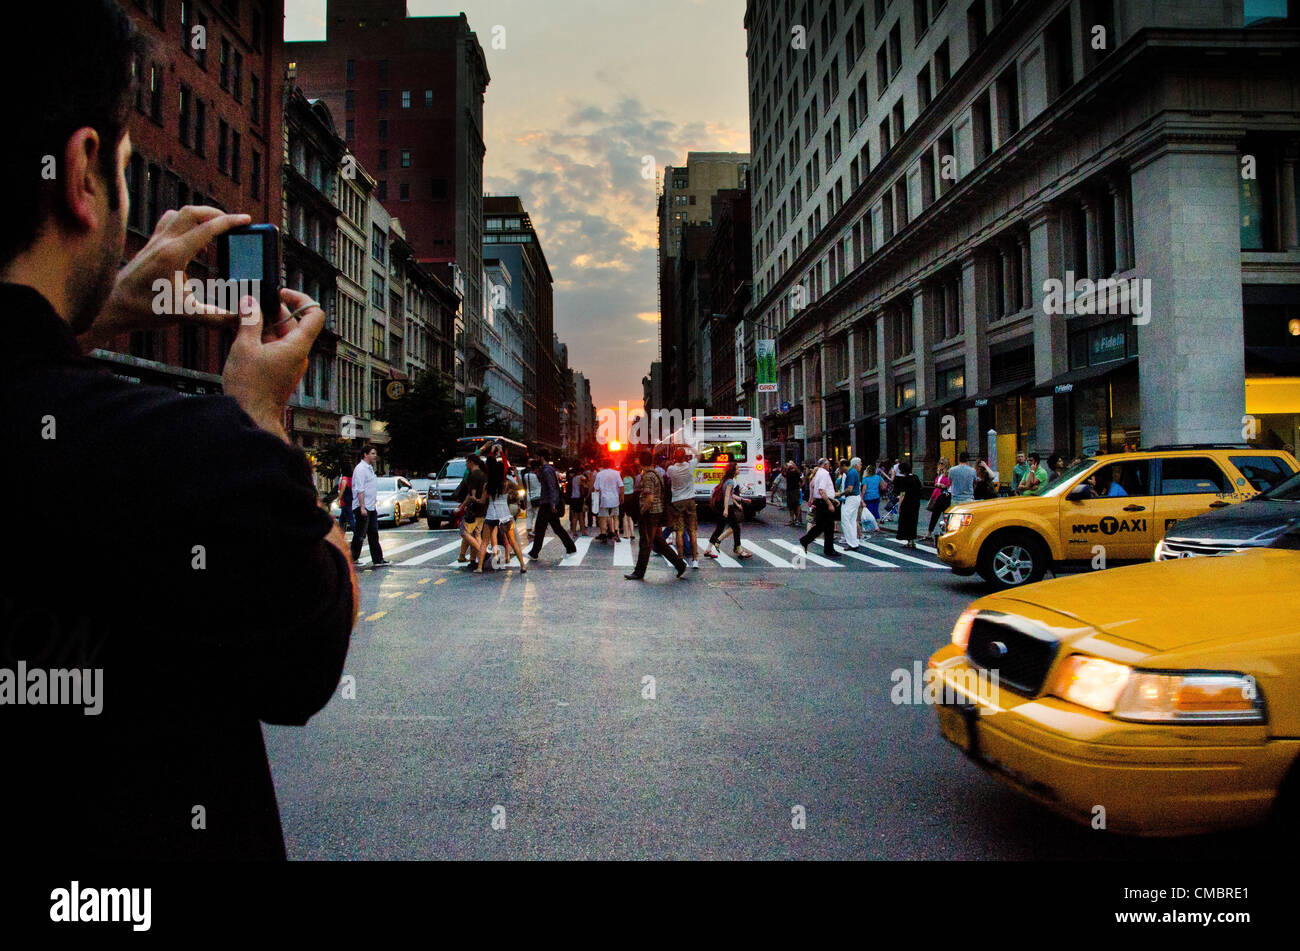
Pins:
<point x="1118" y="507"/>
<point x="1160" y="698"/>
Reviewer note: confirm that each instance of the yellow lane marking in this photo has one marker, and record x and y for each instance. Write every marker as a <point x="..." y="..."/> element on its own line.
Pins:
<point x="412" y="597"/>
<point x="376" y="616"/>
<point x="439" y="581"/>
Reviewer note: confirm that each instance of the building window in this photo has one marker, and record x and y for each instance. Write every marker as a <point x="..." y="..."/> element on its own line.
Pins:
<point x="255" y="98"/>
<point x="349" y="129"/>
<point x="406" y="158"/>
<point x="155" y="93"/>
<point x="377" y="339"/>
<point x="381" y="189"/>
<point x="977" y="28"/>
<point x="186" y="98"/>
<point x="255" y="174"/>
<point x="406" y="99"/>
<point x="1058" y="43"/>
<point x="225" y="64"/>
<point x="403" y="192"/>
<point x="200" y="126"/>
<point x="235" y="150"/>
<point x="257" y="18"/>
<point x="352" y="70"/>
<point x="383" y="70"/>
<point x="924" y="93"/>
<point x="349" y="100"/>
<point x="378" y="296"/>
<point x="237" y="79"/>
<point x="942" y="66"/>
<point x="428" y="99"/>
<point x="1008" y="94"/>
<point x="223" y="145"/>
<point x="383" y="130"/>
<point x="982" y="127"/>
<point x="383" y="99"/>
<point x="383" y="160"/>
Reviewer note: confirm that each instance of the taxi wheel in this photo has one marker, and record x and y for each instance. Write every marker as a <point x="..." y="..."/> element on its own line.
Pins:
<point x="1010" y="559"/>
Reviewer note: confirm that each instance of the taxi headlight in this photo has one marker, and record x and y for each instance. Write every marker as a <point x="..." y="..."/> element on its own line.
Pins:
<point x="1091" y="682"/>
<point x="955" y="520"/>
<point x="961" y="630"/>
<point x="1191" y="696"/>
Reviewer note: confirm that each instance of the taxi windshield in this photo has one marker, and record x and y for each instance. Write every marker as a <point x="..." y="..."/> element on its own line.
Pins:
<point x="1069" y="475"/>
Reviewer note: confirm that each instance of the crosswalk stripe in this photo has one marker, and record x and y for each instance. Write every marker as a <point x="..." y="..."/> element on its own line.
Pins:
<point x="768" y="557"/>
<point x="859" y="557"/>
<point x="570" y="561"/>
<point x="623" y="553"/>
<point x="815" y="559"/>
<point x="365" y="559"/>
<point x="899" y="554"/>
<point x="430" y="555"/>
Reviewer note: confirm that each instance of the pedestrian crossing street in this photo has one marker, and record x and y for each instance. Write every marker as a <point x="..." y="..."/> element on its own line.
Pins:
<point x="413" y="549"/>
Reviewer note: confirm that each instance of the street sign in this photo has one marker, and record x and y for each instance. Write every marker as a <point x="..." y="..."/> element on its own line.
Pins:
<point x="785" y="407"/>
<point x="800" y="431"/>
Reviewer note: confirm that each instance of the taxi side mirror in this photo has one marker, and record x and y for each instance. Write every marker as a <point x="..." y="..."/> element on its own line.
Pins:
<point x="1079" y="493"/>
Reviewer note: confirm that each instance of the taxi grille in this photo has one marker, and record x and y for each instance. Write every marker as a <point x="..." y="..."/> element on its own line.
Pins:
<point x="1181" y="548"/>
<point x="1020" y="655"/>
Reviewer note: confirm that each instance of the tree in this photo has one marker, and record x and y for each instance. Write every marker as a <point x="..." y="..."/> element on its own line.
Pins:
<point x="424" y="424"/>
<point x="334" y="457"/>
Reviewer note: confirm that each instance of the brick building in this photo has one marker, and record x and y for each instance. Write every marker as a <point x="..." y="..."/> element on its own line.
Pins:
<point x="207" y="129"/>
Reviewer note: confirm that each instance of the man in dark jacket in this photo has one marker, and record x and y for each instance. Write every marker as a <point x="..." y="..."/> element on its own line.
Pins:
<point x="548" y="502"/>
<point x="225" y="596"/>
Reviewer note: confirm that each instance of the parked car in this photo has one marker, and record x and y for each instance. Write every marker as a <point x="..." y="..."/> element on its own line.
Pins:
<point x="1122" y="503"/>
<point x="1255" y="523"/>
<point x="1159" y="697"/>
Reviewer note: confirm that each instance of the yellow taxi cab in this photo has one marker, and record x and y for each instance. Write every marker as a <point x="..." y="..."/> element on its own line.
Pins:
<point x="1117" y="506"/>
<point x="1156" y="699"/>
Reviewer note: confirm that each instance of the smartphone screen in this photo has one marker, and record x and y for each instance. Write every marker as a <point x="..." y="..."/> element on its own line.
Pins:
<point x="246" y="257"/>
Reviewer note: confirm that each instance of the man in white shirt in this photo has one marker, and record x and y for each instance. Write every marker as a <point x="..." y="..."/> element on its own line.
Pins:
<point x="609" y="487"/>
<point x="822" y="496"/>
<point x="534" y="486"/>
<point x="683" y="517"/>
<point x="364" y="485"/>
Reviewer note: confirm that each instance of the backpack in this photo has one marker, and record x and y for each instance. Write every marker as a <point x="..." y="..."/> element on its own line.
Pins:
<point x="719" y="493"/>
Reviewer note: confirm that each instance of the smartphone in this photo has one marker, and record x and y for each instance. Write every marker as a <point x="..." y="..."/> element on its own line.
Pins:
<point x="252" y="254"/>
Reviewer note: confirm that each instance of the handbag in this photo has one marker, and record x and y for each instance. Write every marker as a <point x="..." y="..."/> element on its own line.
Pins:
<point x="939" y="503"/>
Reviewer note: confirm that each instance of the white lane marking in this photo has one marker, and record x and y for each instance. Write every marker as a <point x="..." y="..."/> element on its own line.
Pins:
<point x="623" y="553"/>
<point x="570" y="561"/>
<point x="899" y="554"/>
<point x="429" y="555"/>
<point x="768" y="557"/>
<point x="365" y="559"/>
<point x="859" y="557"/>
<point x="815" y="559"/>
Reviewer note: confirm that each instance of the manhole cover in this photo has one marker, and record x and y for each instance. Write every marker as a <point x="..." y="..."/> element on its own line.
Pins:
<point x="745" y="584"/>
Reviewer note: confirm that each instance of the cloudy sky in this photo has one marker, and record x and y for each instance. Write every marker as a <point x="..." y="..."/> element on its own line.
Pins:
<point x="581" y="91"/>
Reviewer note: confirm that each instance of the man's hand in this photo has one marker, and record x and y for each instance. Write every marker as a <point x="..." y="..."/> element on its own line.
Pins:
<point x="264" y="368"/>
<point x="179" y="236"/>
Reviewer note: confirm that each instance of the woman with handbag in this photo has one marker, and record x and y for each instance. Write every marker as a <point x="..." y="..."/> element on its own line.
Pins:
<point x="940" y="498"/>
<point x="730" y="512"/>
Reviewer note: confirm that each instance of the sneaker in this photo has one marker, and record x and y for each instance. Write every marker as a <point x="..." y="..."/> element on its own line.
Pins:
<point x="695" y="563"/>
<point x="634" y="577"/>
<point x="382" y="563"/>
<point x="532" y="557"/>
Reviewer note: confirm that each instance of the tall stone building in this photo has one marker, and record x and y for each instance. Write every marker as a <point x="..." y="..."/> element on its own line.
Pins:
<point x="684" y="209"/>
<point x="925" y="173"/>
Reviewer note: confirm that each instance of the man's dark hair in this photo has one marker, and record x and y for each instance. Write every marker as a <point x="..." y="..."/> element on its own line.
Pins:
<point x="80" y="76"/>
<point x="963" y="457"/>
<point x="367" y="449"/>
<point x="646" y="457"/>
<point x="1033" y="456"/>
<point x="473" y="460"/>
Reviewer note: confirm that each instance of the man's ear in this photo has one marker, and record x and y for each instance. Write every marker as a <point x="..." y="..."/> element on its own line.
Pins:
<point x="83" y="187"/>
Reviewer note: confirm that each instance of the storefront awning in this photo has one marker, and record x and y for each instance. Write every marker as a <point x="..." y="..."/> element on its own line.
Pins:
<point x="1013" y="388"/>
<point x="936" y="405"/>
<point x="1279" y="360"/>
<point x="1072" y="379"/>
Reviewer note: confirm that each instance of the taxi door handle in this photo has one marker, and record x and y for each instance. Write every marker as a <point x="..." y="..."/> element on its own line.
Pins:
<point x="1219" y="503"/>
<point x="1135" y="508"/>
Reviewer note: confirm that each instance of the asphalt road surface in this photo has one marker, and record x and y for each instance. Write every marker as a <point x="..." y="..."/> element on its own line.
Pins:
<point x="510" y="716"/>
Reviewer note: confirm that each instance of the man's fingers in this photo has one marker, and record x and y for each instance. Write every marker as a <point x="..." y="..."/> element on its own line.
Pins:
<point x="250" y="318"/>
<point x="165" y="220"/>
<point x="196" y="238"/>
<point x="210" y="315"/>
<point x="303" y="332"/>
